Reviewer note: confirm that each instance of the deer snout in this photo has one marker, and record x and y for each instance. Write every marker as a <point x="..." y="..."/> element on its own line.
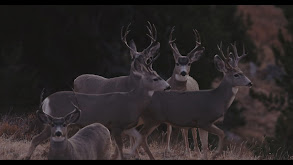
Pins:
<point x="249" y="84"/>
<point x="183" y="73"/>
<point x="168" y="88"/>
<point x="58" y="133"/>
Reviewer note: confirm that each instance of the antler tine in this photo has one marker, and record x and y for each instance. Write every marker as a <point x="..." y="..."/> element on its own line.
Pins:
<point x="226" y="59"/>
<point x="155" y="31"/>
<point x="237" y="58"/>
<point x="198" y="40"/>
<point x="75" y="106"/>
<point x="170" y="36"/>
<point x="172" y="41"/>
<point x="151" y="35"/>
<point x="228" y="51"/>
<point x="123" y="37"/>
<point x="221" y="51"/>
<point x="243" y="52"/>
<point x="235" y="50"/>
<point x="41" y="98"/>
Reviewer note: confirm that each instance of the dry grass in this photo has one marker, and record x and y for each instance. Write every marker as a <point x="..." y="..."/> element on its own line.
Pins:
<point x="16" y="150"/>
<point x="16" y="136"/>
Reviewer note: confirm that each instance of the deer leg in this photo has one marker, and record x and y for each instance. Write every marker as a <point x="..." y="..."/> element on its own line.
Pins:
<point x="204" y="142"/>
<point x="115" y="155"/>
<point x="169" y="131"/>
<point x="146" y="130"/>
<point x="194" y="135"/>
<point x="185" y="136"/>
<point x="136" y="138"/>
<point x="44" y="135"/>
<point x="117" y="133"/>
<point x="220" y="133"/>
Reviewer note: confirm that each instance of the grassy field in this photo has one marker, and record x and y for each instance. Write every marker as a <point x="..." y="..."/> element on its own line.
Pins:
<point x="16" y="150"/>
<point x="16" y="132"/>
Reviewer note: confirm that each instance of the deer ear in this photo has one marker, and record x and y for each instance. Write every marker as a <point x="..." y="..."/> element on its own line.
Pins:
<point x="194" y="56"/>
<point x="133" y="50"/>
<point x="44" y="118"/>
<point x="154" y="50"/>
<point x="72" y="117"/>
<point x="219" y="63"/>
<point x="137" y="62"/>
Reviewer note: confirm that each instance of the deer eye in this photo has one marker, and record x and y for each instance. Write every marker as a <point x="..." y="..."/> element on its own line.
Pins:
<point x="189" y="64"/>
<point x="155" y="79"/>
<point x="236" y="75"/>
<point x="52" y="125"/>
<point x="64" y="125"/>
<point x="177" y="64"/>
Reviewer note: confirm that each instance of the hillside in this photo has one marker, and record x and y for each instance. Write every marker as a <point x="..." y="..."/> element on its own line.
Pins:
<point x="266" y="20"/>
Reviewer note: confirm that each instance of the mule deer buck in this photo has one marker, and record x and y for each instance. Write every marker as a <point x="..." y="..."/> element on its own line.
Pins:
<point x="95" y="84"/>
<point x="118" y="111"/>
<point x="92" y="142"/>
<point x="181" y="81"/>
<point x="197" y="109"/>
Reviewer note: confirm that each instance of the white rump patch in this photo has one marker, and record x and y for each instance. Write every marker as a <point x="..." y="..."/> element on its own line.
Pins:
<point x="179" y="77"/>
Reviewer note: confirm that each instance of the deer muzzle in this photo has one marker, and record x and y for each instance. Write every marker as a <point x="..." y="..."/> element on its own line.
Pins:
<point x="168" y="88"/>
<point x="249" y="84"/>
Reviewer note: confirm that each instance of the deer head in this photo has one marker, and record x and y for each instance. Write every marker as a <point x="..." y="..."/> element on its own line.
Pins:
<point x="59" y="124"/>
<point x="150" y="53"/>
<point x="183" y="63"/>
<point x="229" y="66"/>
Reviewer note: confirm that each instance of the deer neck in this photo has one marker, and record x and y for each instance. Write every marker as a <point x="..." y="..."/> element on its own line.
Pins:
<point x="142" y="95"/>
<point x="177" y="84"/>
<point x="226" y="92"/>
<point x="60" y="149"/>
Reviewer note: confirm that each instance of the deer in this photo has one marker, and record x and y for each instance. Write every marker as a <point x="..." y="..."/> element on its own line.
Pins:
<point x="95" y="84"/>
<point x="181" y="81"/>
<point x="117" y="111"/>
<point x="198" y="109"/>
<point x="92" y="142"/>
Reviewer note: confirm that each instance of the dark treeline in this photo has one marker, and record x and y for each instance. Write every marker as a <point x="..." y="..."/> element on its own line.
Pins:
<point x="48" y="46"/>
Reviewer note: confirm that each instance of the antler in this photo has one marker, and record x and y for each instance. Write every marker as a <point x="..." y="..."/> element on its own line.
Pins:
<point x="152" y="35"/>
<point x="235" y="56"/>
<point x="41" y="98"/>
<point x="150" y="58"/>
<point x="149" y="62"/>
<point x="198" y="41"/>
<point x="123" y="37"/>
<point x="172" y="44"/>
<point x="226" y="60"/>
